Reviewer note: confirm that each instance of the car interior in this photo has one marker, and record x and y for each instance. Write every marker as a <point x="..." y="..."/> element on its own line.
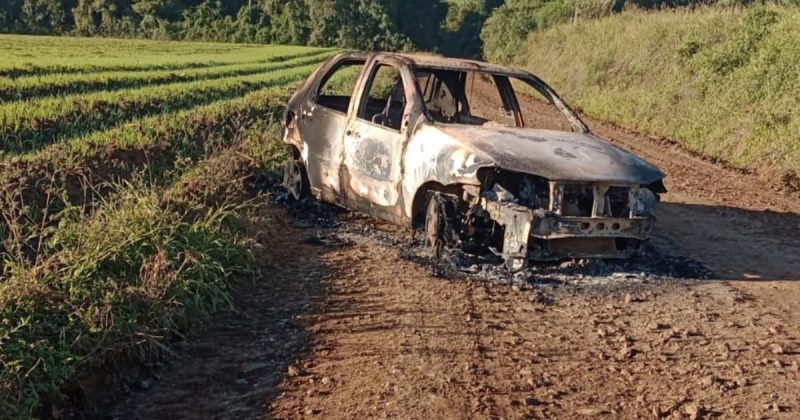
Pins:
<point x="447" y="96"/>
<point x="386" y="99"/>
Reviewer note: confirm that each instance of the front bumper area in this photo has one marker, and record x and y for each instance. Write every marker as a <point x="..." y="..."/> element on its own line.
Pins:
<point x="542" y="235"/>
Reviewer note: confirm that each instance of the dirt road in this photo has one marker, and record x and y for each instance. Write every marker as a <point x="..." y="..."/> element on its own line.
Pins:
<point x="344" y="324"/>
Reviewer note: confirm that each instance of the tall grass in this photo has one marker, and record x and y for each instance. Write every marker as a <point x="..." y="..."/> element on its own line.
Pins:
<point x="76" y="173"/>
<point x="140" y="270"/>
<point x="122" y="213"/>
<point x="150" y="264"/>
<point x="723" y="83"/>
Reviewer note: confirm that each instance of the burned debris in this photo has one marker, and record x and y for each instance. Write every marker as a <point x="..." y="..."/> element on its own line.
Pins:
<point x="442" y="145"/>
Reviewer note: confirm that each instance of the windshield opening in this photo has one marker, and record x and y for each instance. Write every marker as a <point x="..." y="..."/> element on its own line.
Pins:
<point x="487" y="99"/>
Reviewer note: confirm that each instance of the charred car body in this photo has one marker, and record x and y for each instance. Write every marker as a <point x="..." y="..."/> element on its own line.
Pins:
<point x="442" y="145"/>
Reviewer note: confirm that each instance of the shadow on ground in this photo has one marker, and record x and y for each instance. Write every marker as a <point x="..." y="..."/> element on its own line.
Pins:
<point x="736" y="244"/>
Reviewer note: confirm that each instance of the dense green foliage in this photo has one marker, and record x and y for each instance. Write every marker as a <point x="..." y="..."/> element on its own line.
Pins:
<point x="460" y="34"/>
<point x="723" y="83"/>
<point x="452" y="27"/>
<point x="140" y="268"/>
<point x="367" y="24"/>
<point x="509" y="25"/>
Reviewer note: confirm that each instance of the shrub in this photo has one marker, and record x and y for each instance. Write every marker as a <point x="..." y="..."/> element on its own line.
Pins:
<point x="508" y="27"/>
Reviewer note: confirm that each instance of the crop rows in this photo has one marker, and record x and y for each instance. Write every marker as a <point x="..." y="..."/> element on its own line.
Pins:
<point x="81" y="83"/>
<point x="27" y="127"/>
<point x="37" y="56"/>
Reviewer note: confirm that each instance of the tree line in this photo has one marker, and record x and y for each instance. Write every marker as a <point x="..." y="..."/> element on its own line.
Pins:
<point x="453" y="27"/>
<point x="360" y="24"/>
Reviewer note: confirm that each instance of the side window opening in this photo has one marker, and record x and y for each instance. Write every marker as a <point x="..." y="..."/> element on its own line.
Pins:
<point x="487" y="104"/>
<point x="440" y="93"/>
<point x="385" y="101"/>
<point x="336" y="89"/>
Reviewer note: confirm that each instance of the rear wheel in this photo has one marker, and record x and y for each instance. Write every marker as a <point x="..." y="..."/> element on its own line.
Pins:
<point x="295" y="179"/>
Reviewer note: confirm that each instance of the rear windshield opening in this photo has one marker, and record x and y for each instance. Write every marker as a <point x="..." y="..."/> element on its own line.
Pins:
<point x="486" y="99"/>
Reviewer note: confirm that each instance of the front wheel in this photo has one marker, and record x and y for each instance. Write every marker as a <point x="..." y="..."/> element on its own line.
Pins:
<point x="440" y="224"/>
<point x="433" y="227"/>
<point x="295" y="179"/>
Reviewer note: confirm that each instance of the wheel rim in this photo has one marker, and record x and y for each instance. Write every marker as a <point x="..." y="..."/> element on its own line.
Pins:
<point x="293" y="181"/>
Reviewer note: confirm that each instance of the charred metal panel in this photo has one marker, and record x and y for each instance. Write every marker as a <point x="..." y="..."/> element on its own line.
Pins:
<point x="322" y="127"/>
<point x="589" y="236"/>
<point x="550" y="226"/>
<point x="433" y="156"/>
<point x="372" y="155"/>
<point x="556" y="155"/>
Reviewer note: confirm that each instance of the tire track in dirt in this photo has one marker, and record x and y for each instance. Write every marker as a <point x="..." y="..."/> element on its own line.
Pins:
<point x="385" y="338"/>
<point x="381" y="339"/>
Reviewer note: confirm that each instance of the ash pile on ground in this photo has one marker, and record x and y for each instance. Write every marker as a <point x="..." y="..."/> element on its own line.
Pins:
<point x="331" y="225"/>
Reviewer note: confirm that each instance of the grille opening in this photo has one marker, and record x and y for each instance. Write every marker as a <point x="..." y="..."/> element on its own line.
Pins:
<point x="578" y="200"/>
<point x="617" y="201"/>
<point x="529" y="190"/>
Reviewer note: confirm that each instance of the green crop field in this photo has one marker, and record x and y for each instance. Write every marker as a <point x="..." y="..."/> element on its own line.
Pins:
<point x="113" y="240"/>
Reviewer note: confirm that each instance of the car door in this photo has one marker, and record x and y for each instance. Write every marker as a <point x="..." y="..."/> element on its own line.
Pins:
<point x="374" y="139"/>
<point x="322" y="120"/>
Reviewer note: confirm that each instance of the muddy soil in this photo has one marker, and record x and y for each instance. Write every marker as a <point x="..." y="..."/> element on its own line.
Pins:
<point x="347" y="321"/>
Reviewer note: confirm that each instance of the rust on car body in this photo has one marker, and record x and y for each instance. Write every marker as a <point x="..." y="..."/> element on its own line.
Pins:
<point x="381" y="132"/>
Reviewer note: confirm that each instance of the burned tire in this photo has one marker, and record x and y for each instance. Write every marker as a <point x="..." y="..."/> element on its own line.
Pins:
<point x="440" y="224"/>
<point x="295" y="179"/>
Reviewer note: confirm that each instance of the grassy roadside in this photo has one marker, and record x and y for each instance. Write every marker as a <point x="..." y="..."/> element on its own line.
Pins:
<point x="150" y="264"/>
<point x="126" y="208"/>
<point x="723" y="83"/>
<point x="38" y="189"/>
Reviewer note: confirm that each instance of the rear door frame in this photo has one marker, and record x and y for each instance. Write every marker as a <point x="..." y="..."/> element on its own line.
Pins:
<point x="322" y="149"/>
<point x="353" y="195"/>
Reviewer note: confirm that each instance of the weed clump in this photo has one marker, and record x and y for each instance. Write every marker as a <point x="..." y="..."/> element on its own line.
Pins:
<point x="138" y="271"/>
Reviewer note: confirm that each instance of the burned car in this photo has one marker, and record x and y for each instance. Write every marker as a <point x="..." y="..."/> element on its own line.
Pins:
<point x="444" y="145"/>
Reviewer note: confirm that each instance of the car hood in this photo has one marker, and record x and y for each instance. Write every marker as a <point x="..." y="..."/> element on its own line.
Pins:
<point x="555" y="155"/>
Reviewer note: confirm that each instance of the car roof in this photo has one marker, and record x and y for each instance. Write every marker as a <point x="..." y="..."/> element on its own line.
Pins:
<point x="440" y="62"/>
